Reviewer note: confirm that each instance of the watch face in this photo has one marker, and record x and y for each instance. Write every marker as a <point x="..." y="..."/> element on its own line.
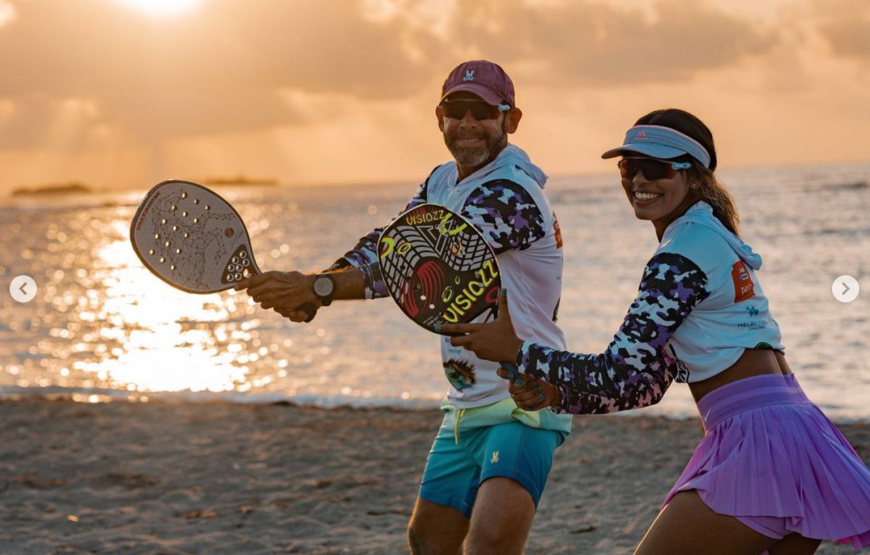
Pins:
<point x="323" y="286"/>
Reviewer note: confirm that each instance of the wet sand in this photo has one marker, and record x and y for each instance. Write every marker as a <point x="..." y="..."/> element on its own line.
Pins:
<point x="171" y="478"/>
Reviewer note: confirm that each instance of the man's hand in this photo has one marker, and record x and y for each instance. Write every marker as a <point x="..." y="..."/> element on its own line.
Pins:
<point x="285" y="292"/>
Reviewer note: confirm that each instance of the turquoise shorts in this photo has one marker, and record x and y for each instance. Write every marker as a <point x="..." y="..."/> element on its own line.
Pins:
<point x="455" y="470"/>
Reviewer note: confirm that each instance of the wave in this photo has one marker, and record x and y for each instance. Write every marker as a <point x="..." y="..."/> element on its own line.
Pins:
<point x="104" y="395"/>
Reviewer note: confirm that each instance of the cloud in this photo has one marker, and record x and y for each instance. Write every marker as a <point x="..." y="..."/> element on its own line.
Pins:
<point x="595" y="44"/>
<point x="222" y="70"/>
<point x="845" y="24"/>
<point x="77" y="72"/>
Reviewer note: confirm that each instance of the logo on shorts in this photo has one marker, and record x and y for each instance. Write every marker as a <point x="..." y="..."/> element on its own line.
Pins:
<point x="494" y="458"/>
<point x="743" y="286"/>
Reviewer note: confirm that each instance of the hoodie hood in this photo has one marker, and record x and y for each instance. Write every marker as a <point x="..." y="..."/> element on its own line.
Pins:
<point x="702" y="213"/>
<point x="512" y="155"/>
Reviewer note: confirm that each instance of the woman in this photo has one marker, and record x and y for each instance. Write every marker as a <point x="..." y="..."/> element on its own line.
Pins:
<point x="772" y="472"/>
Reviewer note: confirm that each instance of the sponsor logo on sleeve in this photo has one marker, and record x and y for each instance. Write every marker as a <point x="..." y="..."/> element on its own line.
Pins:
<point x="743" y="286"/>
<point x="558" y="231"/>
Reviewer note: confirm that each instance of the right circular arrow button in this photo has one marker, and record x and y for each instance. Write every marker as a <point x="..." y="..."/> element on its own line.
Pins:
<point x="845" y="289"/>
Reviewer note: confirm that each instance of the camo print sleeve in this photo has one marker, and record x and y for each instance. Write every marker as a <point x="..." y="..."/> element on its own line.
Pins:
<point x="506" y="214"/>
<point x="633" y="371"/>
<point x="364" y="255"/>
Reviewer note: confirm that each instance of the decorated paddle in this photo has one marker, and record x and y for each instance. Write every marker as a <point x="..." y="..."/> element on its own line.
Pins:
<point x="439" y="268"/>
<point x="193" y="239"/>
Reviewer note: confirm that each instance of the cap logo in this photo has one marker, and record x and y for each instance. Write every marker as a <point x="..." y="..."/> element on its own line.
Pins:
<point x="469" y="75"/>
<point x="640" y="136"/>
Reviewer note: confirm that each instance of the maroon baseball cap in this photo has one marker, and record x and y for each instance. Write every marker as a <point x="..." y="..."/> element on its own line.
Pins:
<point x="485" y="79"/>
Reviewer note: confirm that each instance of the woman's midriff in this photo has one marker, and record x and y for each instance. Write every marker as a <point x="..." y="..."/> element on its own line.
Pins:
<point x="753" y="362"/>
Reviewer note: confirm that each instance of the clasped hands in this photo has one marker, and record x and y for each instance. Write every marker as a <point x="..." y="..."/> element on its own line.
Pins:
<point x="497" y="341"/>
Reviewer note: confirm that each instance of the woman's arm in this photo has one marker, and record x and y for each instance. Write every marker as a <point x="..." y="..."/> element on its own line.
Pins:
<point x="632" y="372"/>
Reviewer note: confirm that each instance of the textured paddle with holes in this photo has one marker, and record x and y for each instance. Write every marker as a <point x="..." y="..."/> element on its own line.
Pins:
<point x="193" y="239"/>
<point x="439" y="268"/>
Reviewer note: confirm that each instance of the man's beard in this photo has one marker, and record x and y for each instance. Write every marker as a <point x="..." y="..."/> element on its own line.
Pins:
<point x="477" y="156"/>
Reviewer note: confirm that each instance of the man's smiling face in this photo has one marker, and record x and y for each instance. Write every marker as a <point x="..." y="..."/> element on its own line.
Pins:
<point x="472" y="142"/>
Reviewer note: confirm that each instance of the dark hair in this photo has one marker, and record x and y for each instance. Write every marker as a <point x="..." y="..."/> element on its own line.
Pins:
<point x="709" y="188"/>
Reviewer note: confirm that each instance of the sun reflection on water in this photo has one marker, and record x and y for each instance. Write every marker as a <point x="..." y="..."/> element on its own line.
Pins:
<point x="166" y="338"/>
<point x="103" y="327"/>
<point x="112" y="325"/>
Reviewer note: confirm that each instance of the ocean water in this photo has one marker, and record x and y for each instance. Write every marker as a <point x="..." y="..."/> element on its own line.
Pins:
<point x="103" y="328"/>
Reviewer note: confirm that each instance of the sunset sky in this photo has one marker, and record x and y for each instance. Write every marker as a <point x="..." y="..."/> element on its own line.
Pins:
<point x="124" y="93"/>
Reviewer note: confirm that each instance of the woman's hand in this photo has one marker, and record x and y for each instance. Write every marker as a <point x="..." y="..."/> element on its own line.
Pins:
<point x="530" y="393"/>
<point x="495" y="341"/>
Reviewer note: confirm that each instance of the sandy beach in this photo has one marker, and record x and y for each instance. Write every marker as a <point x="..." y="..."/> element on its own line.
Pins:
<point x="172" y="478"/>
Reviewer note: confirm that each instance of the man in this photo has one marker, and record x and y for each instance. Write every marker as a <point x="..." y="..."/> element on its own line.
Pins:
<point x="489" y="455"/>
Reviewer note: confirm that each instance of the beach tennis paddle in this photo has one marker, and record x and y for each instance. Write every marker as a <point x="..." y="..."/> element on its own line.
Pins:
<point x="193" y="239"/>
<point x="439" y="268"/>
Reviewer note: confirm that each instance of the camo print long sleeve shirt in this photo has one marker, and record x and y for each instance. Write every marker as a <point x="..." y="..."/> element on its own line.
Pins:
<point x="504" y="211"/>
<point x="634" y="371"/>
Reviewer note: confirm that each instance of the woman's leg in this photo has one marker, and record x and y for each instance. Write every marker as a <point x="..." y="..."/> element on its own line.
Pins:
<point x="795" y="544"/>
<point x="687" y="526"/>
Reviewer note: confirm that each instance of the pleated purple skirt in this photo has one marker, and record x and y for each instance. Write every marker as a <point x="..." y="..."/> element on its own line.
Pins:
<point x="773" y="460"/>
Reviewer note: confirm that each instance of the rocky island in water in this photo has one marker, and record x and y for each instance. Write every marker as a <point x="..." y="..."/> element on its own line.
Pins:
<point x="74" y="188"/>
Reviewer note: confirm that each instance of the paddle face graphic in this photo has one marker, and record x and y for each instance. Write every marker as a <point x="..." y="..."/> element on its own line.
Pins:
<point x="438" y="267"/>
<point x="191" y="238"/>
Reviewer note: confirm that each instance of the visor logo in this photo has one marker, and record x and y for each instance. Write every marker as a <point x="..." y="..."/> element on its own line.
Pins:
<point x="640" y="136"/>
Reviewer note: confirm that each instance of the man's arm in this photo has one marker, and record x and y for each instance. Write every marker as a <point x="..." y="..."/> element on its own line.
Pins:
<point x="506" y="214"/>
<point x="287" y="292"/>
<point x="356" y="276"/>
<point x="364" y="255"/>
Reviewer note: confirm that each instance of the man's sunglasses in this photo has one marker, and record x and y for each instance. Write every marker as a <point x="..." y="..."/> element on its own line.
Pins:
<point x="456" y="109"/>
<point x="652" y="168"/>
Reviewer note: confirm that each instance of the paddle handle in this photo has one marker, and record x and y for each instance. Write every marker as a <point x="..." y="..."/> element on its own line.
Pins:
<point x="510" y="367"/>
<point x="308" y="308"/>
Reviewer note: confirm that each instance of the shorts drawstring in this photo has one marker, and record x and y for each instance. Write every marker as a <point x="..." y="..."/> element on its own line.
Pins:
<point x="456" y="425"/>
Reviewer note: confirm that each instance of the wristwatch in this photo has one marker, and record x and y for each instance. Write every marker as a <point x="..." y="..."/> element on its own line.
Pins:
<point x="324" y="288"/>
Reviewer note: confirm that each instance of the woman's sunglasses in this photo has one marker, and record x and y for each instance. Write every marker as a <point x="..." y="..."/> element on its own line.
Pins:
<point x="456" y="109"/>
<point x="652" y="168"/>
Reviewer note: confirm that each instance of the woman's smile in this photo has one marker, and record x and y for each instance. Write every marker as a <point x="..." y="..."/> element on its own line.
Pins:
<point x="642" y="198"/>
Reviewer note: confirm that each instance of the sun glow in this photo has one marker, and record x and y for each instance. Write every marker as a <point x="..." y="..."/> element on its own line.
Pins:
<point x="161" y="7"/>
<point x="158" y="344"/>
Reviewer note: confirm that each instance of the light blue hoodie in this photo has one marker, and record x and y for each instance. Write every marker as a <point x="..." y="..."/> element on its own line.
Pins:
<point x="702" y="213"/>
<point x="736" y="314"/>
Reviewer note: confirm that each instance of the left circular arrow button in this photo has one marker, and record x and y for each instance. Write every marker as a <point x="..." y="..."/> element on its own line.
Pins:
<point x="23" y="289"/>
